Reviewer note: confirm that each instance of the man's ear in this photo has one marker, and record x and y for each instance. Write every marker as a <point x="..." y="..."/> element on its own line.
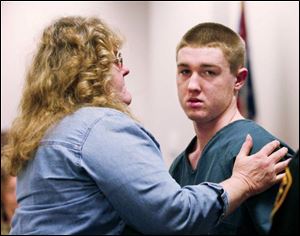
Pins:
<point x="240" y="78"/>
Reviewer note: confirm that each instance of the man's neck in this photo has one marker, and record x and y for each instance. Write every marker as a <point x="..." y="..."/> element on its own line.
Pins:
<point x="206" y="130"/>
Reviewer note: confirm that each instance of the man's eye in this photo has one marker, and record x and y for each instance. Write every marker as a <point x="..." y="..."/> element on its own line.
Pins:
<point x="184" y="72"/>
<point x="209" y="73"/>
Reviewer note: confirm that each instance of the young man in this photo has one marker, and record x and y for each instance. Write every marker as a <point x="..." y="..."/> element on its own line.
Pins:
<point x="210" y="72"/>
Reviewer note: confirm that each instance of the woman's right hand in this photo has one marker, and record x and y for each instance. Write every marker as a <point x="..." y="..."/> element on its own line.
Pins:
<point x="255" y="173"/>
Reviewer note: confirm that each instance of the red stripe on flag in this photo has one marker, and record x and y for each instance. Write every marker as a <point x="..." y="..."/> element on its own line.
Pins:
<point x="246" y="102"/>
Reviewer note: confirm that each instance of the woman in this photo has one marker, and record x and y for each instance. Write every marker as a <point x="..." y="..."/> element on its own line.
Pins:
<point x="85" y="166"/>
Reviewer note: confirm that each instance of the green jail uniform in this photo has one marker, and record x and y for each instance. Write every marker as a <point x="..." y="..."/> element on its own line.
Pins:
<point x="215" y="165"/>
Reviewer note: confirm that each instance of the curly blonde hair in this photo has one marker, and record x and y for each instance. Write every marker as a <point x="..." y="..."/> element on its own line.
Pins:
<point x="70" y="70"/>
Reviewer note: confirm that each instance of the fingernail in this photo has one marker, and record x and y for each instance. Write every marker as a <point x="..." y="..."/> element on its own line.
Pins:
<point x="277" y="142"/>
<point x="248" y="137"/>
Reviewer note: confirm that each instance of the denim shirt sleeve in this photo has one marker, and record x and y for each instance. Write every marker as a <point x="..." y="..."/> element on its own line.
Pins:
<point x="126" y="164"/>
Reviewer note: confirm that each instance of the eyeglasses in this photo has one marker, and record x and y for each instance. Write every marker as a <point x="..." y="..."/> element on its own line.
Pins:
<point x="119" y="60"/>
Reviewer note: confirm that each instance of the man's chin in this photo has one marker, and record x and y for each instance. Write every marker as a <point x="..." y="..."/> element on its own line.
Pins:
<point x="196" y="117"/>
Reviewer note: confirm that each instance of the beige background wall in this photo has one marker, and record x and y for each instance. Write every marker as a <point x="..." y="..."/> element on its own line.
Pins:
<point x="152" y="31"/>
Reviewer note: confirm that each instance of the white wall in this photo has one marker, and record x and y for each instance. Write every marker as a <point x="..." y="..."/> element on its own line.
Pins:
<point x="152" y="30"/>
<point x="274" y="37"/>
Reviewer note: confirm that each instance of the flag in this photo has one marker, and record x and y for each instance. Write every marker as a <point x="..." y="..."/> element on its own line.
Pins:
<point x="246" y="102"/>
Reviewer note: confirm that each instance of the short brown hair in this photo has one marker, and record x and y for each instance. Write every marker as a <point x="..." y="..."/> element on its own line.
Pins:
<point x="211" y="34"/>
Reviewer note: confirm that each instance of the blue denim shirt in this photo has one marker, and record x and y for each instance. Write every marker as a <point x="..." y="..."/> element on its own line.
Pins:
<point x="97" y="170"/>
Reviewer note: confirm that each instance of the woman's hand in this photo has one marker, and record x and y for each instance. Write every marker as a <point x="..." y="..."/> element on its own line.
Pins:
<point x="256" y="173"/>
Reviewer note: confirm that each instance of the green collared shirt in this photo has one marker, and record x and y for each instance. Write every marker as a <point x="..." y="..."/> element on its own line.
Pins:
<point x="215" y="165"/>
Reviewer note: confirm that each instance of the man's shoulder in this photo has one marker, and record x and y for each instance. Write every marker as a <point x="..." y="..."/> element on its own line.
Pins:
<point x="241" y="127"/>
<point x="178" y="162"/>
<point x="235" y="134"/>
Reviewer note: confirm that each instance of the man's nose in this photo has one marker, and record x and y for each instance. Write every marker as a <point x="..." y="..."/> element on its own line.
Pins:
<point x="194" y="82"/>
